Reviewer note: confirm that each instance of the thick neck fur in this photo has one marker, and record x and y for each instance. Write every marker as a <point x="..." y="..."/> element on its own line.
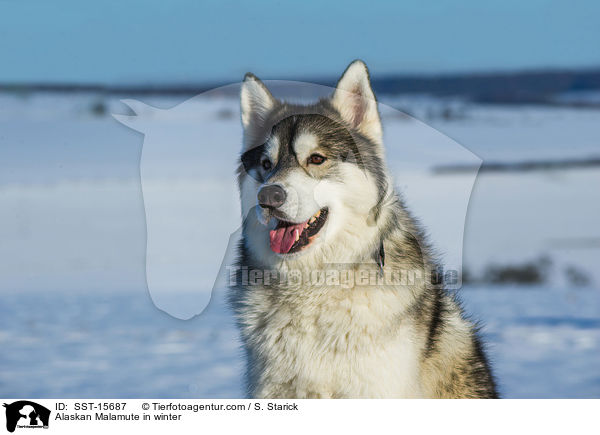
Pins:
<point x="356" y="320"/>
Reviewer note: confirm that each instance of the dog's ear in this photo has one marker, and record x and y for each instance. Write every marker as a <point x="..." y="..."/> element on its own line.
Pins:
<point x="355" y="100"/>
<point x="255" y="100"/>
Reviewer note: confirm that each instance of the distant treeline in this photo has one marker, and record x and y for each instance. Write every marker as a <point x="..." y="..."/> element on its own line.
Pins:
<point x="540" y="87"/>
<point x="524" y="166"/>
<point x="529" y="272"/>
<point x="509" y="88"/>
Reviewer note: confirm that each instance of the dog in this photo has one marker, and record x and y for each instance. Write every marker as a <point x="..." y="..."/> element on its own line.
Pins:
<point x="319" y="204"/>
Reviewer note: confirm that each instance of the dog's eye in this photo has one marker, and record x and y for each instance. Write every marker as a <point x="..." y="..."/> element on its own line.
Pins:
<point x="316" y="159"/>
<point x="266" y="164"/>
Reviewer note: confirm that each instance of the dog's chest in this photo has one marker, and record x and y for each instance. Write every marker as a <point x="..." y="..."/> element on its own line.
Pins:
<point x="351" y="345"/>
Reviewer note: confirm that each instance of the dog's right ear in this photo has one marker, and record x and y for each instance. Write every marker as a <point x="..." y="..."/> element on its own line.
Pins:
<point x="255" y="100"/>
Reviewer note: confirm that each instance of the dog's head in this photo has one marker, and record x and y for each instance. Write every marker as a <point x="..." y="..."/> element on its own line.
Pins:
<point x="312" y="178"/>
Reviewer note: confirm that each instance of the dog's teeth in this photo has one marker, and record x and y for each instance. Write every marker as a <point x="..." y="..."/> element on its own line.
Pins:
<point x="318" y="214"/>
<point x="297" y="234"/>
<point x="312" y="219"/>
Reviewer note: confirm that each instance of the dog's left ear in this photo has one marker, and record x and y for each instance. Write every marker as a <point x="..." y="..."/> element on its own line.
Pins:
<point x="355" y="100"/>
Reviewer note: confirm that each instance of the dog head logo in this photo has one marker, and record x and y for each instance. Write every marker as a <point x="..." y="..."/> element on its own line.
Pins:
<point x="192" y="208"/>
<point x="26" y="414"/>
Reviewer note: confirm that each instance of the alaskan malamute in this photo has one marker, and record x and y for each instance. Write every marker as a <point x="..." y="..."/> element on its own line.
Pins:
<point x="333" y="296"/>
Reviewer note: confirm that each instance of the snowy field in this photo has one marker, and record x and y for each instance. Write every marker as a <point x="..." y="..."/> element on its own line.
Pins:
<point x="77" y="320"/>
<point x="543" y="342"/>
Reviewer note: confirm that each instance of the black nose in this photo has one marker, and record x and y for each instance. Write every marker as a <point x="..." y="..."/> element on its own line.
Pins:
<point x="271" y="196"/>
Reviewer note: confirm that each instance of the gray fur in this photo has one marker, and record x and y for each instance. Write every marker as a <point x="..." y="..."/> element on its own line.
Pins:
<point x="405" y="340"/>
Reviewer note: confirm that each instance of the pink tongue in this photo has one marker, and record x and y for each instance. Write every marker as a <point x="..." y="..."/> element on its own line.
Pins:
<point x="283" y="238"/>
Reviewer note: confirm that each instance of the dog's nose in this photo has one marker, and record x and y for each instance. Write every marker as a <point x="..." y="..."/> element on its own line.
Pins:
<point x="271" y="196"/>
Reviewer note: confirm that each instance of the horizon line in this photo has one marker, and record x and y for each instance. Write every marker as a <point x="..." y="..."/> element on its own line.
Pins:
<point x="319" y="79"/>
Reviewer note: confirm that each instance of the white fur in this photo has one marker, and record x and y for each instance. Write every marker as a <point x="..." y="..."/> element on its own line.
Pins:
<point x="336" y="343"/>
<point x="304" y="145"/>
<point x="300" y="204"/>
<point x="272" y="149"/>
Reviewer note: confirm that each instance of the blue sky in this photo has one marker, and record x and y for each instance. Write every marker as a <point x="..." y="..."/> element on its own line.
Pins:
<point x="191" y="41"/>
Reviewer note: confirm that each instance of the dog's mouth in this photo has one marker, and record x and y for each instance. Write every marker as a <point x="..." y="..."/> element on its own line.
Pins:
<point x="289" y="237"/>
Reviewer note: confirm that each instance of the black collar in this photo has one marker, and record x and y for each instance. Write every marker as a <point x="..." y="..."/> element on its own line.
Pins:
<point x="380" y="258"/>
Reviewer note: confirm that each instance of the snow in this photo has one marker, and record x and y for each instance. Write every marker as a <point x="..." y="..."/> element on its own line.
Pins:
<point x="543" y="343"/>
<point x="76" y="316"/>
<point x="113" y="344"/>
